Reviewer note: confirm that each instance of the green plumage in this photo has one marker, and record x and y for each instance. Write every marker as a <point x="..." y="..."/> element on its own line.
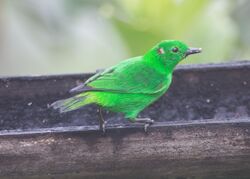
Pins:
<point x="131" y="85"/>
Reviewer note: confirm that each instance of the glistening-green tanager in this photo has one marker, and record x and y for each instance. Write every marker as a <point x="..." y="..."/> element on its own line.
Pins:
<point x="131" y="85"/>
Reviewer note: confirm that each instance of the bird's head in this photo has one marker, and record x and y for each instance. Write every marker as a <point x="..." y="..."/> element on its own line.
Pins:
<point x="170" y="52"/>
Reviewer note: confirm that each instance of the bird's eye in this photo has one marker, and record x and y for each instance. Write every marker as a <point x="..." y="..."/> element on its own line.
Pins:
<point x="175" y="49"/>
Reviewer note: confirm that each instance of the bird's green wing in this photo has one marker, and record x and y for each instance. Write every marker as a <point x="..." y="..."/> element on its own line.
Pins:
<point x="131" y="76"/>
<point x="82" y="87"/>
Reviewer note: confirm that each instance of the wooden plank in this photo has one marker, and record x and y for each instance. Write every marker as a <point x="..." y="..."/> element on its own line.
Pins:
<point x="207" y="92"/>
<point x="202" y="130"/>
<point x="199" y="150"/>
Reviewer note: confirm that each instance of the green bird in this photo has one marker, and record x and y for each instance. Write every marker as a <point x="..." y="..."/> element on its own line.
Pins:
<point x="131" y="85"/>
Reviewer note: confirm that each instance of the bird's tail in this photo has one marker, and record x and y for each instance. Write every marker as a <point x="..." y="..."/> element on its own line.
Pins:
<point x="72" y="103"/>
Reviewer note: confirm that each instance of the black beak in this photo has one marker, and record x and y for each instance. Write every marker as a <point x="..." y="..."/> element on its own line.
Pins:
<point x="191" y="51"/>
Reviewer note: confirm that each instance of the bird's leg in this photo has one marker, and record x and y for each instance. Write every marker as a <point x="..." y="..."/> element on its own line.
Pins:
<point x="102" y="122"/>
<point x="146" y="121"/>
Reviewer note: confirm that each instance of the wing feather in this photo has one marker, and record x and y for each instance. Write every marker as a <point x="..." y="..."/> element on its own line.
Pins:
<point x="131" y="76"/>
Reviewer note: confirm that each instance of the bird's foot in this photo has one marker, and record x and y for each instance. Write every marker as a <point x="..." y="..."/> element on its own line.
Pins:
<point x="146" y="121"/>
<point x="103" y="126"/>
<point x="147" y="124"/>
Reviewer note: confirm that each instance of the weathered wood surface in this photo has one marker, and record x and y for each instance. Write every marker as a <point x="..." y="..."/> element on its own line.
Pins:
<point x="202" y="130"/>
<point x="214" y="150"/>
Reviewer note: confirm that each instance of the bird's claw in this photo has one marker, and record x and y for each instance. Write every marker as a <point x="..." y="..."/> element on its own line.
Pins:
<point x="147" y="124"/>
<point x="103" y="126"/>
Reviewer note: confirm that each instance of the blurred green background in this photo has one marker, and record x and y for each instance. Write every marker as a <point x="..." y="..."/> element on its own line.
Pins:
<point x="75" y="36"/>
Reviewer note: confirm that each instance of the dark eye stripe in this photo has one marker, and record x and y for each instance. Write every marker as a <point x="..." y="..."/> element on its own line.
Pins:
<point x="175" y="49"/>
